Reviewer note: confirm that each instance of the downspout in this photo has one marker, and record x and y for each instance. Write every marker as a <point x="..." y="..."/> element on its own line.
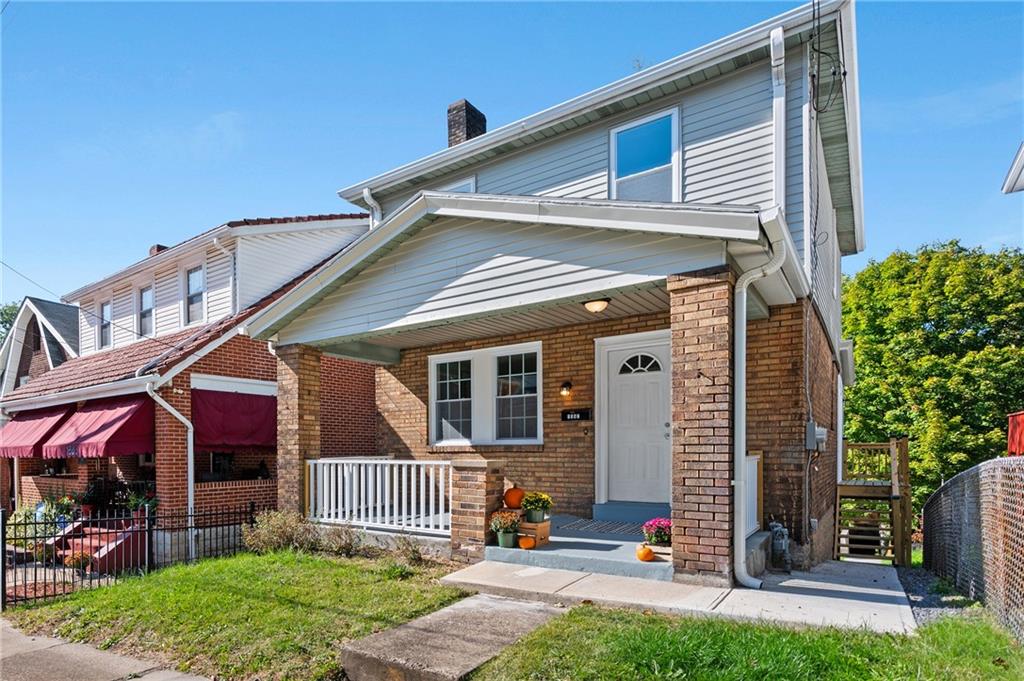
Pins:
<point x="190" y="468"/>
<point x="375" y="210"/>
<point x="739" y="490"/>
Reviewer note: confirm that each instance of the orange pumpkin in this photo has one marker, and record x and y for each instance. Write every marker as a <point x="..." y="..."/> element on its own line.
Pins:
<point x="527" y="542"/>
<point x="644" y="553"/>
<point x="514" y="497"/>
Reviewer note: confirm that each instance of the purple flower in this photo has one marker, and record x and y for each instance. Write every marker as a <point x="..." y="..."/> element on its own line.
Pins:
<point x="658" y="531"/>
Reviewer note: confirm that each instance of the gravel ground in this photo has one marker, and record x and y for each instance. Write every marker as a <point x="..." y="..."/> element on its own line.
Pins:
<point x="928" y="601"/>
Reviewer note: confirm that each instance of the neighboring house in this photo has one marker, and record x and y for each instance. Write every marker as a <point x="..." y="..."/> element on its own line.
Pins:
<point x="136" y="355"/>
<point x="614" y="300"/>
<point x="1014" y="181"/>
<point x="43" y="336"/>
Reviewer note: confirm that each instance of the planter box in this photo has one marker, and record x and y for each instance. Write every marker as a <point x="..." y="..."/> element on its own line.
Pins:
<point x="541" y="532"/>
<point x="662" y="553"/>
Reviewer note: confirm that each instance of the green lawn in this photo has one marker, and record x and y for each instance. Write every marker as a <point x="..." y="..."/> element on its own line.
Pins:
<point x="278" y="616"/>
<point x="592" y="643"/>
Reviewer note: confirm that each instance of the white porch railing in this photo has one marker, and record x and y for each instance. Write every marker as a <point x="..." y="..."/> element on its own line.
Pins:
<point x="753" y="492"/>
<point x="381" y="493"/>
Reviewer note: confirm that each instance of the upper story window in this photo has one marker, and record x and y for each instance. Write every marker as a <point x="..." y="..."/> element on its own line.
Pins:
<point x="464" y="186"/>
<point x="195" y="288"/>
<point x="146" y="311"/>
<point x="645" y="159"/>
<point x="106" y="319"/>
<point x="486" y="396"/>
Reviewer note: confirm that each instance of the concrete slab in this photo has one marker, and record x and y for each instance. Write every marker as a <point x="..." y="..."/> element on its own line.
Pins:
<point x="446" y="644"/>
<point x="835" y="594"/>
<point x="644" y="594"/>
<point x="509" y="579"/>
<point x="13" y="642"/>
<point x="170" y="675"/>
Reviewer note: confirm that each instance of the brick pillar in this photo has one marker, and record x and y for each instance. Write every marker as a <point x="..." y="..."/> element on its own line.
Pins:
<point x="477" y="489"/>
<point x="702" y="514"/>
<point x="298" y="421"/>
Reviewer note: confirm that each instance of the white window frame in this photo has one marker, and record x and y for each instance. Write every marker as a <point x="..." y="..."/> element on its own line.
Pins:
<point x="677" y="165"/>
<point x="99" y="323"/>
<point x="183" y="306"/>
<point x="484" y="393"/>
<point x="137" y="312"/>
<point x="471" y="180"/>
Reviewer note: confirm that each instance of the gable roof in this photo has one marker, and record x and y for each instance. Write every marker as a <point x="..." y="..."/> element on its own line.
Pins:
<point x="62" y="318"/>
<point x="720" y="56"/>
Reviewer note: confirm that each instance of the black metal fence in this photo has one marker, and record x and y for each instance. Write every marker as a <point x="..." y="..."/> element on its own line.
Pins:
<point x="46" y="557"/>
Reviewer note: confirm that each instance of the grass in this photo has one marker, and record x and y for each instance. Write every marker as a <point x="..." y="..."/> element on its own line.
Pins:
<point x="277" y="616"/>
<point x="917" y="557"/>
<point x="592" y="643"/>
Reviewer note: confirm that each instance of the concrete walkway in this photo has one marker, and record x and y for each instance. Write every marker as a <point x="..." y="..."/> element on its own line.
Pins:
<point x="37" y="658"/>
<point x="835" y="594"/>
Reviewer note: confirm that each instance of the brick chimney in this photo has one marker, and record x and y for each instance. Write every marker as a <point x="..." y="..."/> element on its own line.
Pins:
<point x="464" y="122"/>
<point x="156" y="248"/>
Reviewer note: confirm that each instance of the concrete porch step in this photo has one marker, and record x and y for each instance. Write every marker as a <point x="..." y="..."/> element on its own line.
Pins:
<point x="584" y="556"/>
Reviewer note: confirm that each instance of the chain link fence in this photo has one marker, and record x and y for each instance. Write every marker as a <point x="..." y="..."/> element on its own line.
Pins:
<point x="974" y="537"/>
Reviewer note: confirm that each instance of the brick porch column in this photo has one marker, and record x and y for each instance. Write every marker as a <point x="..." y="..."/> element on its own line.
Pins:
<point x="298" y="421"/>
<point x="702" y="518"/>
<point x="477" y="489"/>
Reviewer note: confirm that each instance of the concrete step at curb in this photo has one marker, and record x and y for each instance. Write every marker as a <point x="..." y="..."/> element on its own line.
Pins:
<point x="445" y="645"/>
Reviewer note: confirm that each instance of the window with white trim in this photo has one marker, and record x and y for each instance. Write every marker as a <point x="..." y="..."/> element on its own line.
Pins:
<point x="145" y="311"/>
<point x="195" y="287"/>
<point x="106" y="320"/>
<point x="489" y="396"/>
<point x="645" y="159"/>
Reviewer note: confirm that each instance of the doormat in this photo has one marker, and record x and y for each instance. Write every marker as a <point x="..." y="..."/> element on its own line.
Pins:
<point x="602" y="527"/>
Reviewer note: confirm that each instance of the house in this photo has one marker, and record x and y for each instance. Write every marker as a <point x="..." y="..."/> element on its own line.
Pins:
<point x="144" y="378"/>
<point x="1014" y="181"/>
<point x="630" y="300"/>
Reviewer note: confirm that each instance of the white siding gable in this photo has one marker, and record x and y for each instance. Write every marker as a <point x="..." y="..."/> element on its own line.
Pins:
<point x="220" y="272"/>
<point x="456" y="268"/>
<point x="86" y="326"/>
<point x="124" y="316"/>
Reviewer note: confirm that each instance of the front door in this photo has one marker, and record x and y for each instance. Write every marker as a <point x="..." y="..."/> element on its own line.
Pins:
<point x="639" y="423"/>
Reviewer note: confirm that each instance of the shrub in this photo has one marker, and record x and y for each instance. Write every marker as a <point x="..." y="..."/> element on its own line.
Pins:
<point x="342" y="540"/>
<point x="277" y="530"/>
<point x="77" y="559"/>
<point x="408" y="550"/>
<point x="658" y="531"/>
<point x="395" y="570"/>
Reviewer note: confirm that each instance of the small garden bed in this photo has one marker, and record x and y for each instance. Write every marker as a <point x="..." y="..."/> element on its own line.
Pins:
<point x="282" y="615"/>
<point x="593" y="643"/>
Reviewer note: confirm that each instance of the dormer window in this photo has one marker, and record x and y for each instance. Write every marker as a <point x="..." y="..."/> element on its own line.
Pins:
<point x="195" y="288"/>
<point x="645" y="159"/>
<point x="145" y="311"/>
<point x="106" y="317"/>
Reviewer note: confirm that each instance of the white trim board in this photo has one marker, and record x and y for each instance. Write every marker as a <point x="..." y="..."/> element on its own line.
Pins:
<point x="231" y="384"/>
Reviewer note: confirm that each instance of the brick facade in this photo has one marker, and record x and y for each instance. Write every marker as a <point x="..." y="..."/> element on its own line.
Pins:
<point x="702" y="446"/>
<point x="298" y="420"/>
<point x="477" y="489"/>
<point x="348" y="417"/>
<point x="564" y="465"/>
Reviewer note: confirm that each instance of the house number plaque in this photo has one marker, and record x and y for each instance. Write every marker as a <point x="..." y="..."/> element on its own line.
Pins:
<point x="577" y="415"/>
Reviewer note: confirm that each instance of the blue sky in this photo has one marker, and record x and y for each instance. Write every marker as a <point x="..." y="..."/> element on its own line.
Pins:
<point x="129" y="124"/>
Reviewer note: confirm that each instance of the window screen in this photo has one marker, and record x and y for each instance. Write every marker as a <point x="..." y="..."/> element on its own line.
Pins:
<point x="453" y="406"/>
<point x="194" y="302"/>
<point x="516" y="401"/>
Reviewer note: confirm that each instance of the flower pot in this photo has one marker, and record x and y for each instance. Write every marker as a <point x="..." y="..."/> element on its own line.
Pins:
<point x="88" y="510"/>
<point x="535" y="515"/>
<point x="507" y="540"/>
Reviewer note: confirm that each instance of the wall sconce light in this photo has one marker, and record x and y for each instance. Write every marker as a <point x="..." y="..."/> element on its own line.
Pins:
<point x="596" y="306"/>
<point x="566" y="389"/>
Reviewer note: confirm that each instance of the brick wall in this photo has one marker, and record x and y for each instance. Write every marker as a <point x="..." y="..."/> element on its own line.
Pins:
<point x="564" y="464"/>
<point x="348" y="418"/>
<point x="232" y="494"/>
<point x="477" y="489"/>
<point x="6" y="484"/>
<point x="777" y="413"/>
<point x="32" y="363"/>
<point x="298" y="420"/>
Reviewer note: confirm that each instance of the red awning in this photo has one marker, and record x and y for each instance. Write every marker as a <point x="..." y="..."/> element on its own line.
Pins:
<point x="114" y="427"/>
<point x="1016" y="439"/>
<point x="228" y="419"/>
<point x="23" y="437"/>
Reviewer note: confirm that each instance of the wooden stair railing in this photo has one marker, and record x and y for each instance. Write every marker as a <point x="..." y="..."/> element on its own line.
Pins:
<point x="873" y="506"/>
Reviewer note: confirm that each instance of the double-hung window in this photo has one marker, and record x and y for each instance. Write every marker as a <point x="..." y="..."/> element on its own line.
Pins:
<point x="106" y="320"/>
<point x="145" y="311"/>
<point x="195" y="287"/>
<point x="645" y="163"/>
<point x="490" y="396"/>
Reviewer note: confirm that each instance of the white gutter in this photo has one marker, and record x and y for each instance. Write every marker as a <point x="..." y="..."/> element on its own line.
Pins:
<point x="190" y="468"/>
<point x="739" y="490"/>
<point x="127" y="386"/>
<point x="375" y="210"/>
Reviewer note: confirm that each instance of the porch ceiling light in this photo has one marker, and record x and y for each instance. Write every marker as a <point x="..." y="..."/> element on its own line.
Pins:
<point x="566" y="389"/>
<point x="596" y="306"/>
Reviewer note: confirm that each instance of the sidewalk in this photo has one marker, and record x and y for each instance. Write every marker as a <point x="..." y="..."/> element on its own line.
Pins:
<point x="37" y="658"/>
<point x="833" y="594"/>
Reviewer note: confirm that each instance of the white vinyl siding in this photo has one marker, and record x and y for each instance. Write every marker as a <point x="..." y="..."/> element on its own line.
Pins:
<point x="168" y="301"/>
<point x="86" y="326"/>
<point x="822" y="236"/>
<point x="124" y="316"/>
<point x="267" y="262"/>
<point x="460" y="267"/>
<point x="219" y="275"/>
<point x="728" y="141"/>
<point x="796" y="100"/>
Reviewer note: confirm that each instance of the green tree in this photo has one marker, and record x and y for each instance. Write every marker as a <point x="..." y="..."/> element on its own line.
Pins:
<point x="939" y="353"/>
<point x="7" y="314"/>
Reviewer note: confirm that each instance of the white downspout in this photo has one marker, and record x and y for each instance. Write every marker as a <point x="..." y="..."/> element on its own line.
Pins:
<point x="190" y="468"/>
<point x="375" y="209"/>
<point x="739" y="490"/>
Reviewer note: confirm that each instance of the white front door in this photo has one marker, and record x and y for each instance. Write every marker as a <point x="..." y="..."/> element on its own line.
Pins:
<point x="639" y="432"/>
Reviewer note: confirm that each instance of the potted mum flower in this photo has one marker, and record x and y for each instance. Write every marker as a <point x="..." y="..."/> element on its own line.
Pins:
<point x="505" y="524"/>
<point x="536" y="505"/>
<point x="658" y="531"/>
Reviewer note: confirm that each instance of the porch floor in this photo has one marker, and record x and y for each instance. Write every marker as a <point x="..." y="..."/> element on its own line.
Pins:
<point x="588" y="546"/>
